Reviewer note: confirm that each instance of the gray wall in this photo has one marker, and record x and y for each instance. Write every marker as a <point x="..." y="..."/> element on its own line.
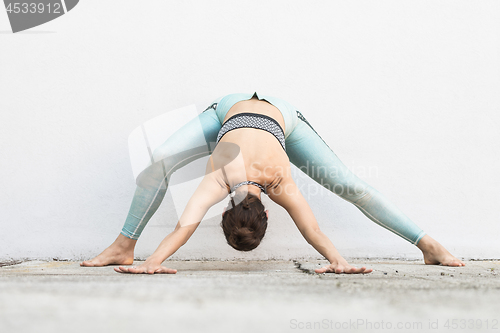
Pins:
<point x="405" y="93"/>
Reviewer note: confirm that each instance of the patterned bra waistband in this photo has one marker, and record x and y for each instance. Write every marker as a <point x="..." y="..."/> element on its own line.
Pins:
<point x="253" y="120"/>
<point x="248" y="182"/>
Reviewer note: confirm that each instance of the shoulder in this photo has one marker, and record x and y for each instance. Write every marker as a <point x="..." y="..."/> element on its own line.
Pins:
<point x="283" y="191"/>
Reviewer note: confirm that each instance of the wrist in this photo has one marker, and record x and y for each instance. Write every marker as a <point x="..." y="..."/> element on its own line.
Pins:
<point x="155" y="259"/>
<point x="335" y="259"/>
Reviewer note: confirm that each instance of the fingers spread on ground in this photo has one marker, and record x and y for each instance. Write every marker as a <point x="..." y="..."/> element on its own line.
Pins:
<point x="127" y="269"/>
<point x="350" y="270"/>
<point x="325" y="269"/>
<point x="119" y="269"/>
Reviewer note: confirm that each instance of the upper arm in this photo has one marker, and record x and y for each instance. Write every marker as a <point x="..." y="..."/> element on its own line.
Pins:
<point x="288" y="195"/>
<point x="208" y="193"/>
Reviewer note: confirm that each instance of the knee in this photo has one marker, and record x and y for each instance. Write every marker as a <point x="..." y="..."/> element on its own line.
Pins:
<point x="364" y="196"/>
<point x="162" y="152"/>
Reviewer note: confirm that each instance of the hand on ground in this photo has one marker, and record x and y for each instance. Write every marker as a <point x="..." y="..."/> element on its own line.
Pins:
<point x="339" y="268"/>
<point x="146" y="268"/>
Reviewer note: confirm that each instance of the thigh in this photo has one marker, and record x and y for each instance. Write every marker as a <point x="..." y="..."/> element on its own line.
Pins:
<point x="191" y="142"/>
<point x="311" y="154"/>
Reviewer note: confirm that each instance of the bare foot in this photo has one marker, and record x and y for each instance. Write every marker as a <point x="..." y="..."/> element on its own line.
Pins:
<point x="435" y="253"/>
<point x="121" y="252"/>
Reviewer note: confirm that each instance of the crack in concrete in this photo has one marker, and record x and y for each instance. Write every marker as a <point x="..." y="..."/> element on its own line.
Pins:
<point x="9" y="263"/>
<point x="298" y="265"/>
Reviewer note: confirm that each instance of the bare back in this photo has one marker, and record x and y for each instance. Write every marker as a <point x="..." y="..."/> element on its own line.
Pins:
<point x="262" y="159"/>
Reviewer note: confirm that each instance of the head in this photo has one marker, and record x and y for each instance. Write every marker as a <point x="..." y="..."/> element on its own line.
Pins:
<point x="244" y="224"/>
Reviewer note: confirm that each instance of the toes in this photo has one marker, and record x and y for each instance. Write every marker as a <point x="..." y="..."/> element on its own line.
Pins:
<point x="454" y="263"/>
<point x="87" y="263"/>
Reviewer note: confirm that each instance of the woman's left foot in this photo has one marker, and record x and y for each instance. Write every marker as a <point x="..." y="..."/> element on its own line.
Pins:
<point x="435" y="253"/>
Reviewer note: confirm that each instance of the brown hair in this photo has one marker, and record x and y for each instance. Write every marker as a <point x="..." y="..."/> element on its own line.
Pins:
<point x="245" y="224"/>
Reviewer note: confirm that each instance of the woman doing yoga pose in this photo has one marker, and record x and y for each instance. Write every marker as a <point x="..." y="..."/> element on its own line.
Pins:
<point x="256" y="139"/>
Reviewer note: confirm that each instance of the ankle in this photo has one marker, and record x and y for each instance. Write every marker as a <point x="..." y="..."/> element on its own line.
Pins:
<point x="124" y="243"/>
<point x="427" y="244"/>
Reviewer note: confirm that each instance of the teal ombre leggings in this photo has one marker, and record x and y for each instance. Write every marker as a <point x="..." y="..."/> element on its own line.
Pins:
<point x="304" y="148"/>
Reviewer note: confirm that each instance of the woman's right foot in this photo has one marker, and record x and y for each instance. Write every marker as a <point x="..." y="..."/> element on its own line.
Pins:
<point x="435" y="253"/>
<point x="121" y="252"/>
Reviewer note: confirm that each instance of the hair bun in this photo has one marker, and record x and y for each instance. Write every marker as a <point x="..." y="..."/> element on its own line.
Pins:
<point x="242" y="235"/>
<point x="243" y="232"/>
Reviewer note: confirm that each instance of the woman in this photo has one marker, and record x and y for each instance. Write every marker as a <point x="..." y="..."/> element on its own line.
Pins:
<point x="256" y="139"/>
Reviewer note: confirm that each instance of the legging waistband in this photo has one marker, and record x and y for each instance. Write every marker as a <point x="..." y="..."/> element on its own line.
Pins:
<point x="289" y="112"/>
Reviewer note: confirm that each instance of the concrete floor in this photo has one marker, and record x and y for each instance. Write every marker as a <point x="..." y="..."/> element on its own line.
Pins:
<point x="250" y="296"/>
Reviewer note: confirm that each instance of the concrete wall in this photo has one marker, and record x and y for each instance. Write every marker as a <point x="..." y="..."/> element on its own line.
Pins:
<point x="405" y="92"/>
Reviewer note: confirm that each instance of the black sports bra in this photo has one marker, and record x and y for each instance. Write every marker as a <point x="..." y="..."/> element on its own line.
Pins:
<point x="253" y="120"/>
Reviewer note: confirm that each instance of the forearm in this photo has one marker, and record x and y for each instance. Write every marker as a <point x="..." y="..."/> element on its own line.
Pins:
<point x="323" y="245"/>
<point x="170" y="245"/>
